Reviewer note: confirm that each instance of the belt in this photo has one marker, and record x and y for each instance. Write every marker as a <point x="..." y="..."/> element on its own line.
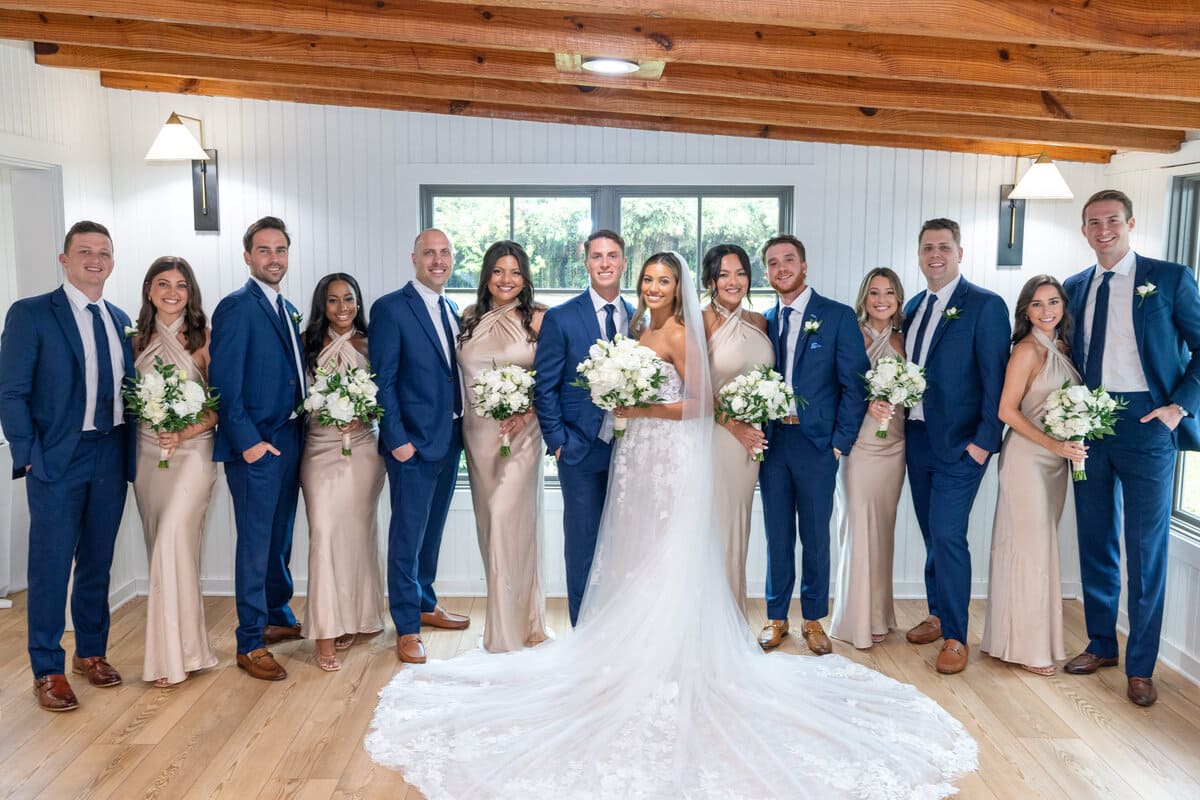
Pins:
<point x="791" y="419"/>
<point x="95" y="435"/>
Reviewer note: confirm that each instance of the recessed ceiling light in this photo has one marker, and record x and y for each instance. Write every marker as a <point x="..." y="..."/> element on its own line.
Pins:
<point x="609" y="66"/>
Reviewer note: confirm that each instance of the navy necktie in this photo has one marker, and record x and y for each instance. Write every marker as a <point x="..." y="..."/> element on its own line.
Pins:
<point x="102" y="418"/>
<point x="782" y="354"/>
<point x="458" y="407"/>
<point x="610" y="323"/>
<point x="1093" y="371"/>
<point x="286" y="321"/>
<point x="920" y="340"/>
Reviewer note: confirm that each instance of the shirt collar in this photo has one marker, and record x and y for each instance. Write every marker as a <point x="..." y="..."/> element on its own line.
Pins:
<point x="800" y="302"/>
<point x="946" y="292"/>
<point x="78" y="299"/>
<point x="270" y="291"/>
<point x="599" y="302"/>
<point x="1122" y="267"/>
<point x="430" y="297"/>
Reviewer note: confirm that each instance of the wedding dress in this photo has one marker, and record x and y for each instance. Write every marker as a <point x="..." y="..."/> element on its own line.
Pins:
<point x="661" y="691"/>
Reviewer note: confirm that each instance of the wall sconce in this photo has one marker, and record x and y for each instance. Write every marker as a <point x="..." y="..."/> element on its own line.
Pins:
<point x="176" y="143"/>
<point x="1042" y="181"/>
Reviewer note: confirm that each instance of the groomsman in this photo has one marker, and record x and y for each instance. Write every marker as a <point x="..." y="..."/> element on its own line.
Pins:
<point x="577" y="433"/>
<point x="258" y="371"/>
<point x="412" y="337"/>
<point x="959" y="333"/>
<point x="819" y="351"/>
<point x="63" y="357"/>
<point x="1137" y="334"/>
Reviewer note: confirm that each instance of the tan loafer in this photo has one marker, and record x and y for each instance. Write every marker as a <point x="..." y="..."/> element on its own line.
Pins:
<point x="1142" y="692"/>
<point x="54" y="693"/>
<point x="441" y="618"/>
<point x="274" y="634"/>
<point x="410" y="649"/>
<point x="953" y="658"/>
<point x="1088" y="663"/>
<point x="98" y="671"/>
<point x="261" y="664"/>
<point x="773" y="633"/>
<point x="815" y="638"/>
<point x="927" y="631"/>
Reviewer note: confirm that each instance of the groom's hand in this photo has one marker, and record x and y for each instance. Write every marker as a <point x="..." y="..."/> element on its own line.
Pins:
<point x="558" y="454"/>
<point x="404" y="452"/>
<point x="977" y="453"/>
<point x="258" y="451"/>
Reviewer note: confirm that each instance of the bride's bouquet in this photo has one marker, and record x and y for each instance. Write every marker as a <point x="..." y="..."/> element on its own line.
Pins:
<point x="896" y="381"/>
<point x="339" y="397"/>
<point x="620" y="373"/>
<point x="502" y="392"/>
<point x="167" y="401"/>
<point x="755" y="397"/>
<point x="1074" y="414"/>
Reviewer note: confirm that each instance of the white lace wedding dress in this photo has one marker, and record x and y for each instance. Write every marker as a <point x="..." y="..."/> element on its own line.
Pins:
<point x="661" y="692"/>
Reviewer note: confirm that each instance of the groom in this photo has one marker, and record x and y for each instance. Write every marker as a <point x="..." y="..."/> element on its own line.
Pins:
<point x="577" y="433"/>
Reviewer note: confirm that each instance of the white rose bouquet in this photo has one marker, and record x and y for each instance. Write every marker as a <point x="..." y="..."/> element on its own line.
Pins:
<point x="502" y="392"/>
<point x="620" y="373"/>
<point x="339" y="398"/>
<point x="756" y="397"/>
<point x="1074" y="414"/>
<point x="896" y="381"/>
<point x="167" y="401"/>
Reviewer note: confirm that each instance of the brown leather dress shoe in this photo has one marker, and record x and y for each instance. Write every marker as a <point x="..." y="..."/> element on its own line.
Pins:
<point x="261" y="664"/>
<point x="98" y="671"/>
<point x="54" y="693"/>
<point x="441" y="618"/>
<point x="274" y="634"/>
<point x="953" y="658"/>
<point x="1087" y="663"/>
<point x="410" y="649"/>
<point x="927" y="631"/>
<point x="815" y="638"/>
<point x="1142" y="692"/>
<point x="773" y="633"/>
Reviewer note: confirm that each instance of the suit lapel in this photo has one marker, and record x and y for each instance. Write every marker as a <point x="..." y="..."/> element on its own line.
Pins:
<point x="421" y="313"/>
<point x="911" y="309"/>
<point x="587" y="315"/>
<point x="812" y="311"/>
<point x="271" y="312"/>
<point x="1078" y="300"/>
<point x="957" y="300"/>
<point x="66" y="320"/>
<point x="1141" y="274"/>
<point x="116" y="315"/>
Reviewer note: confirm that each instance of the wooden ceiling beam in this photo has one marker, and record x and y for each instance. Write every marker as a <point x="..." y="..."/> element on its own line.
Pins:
<point x="792" y="114"/>
<point x="693" y="79"/>
<point x="657" y="122"/>
<point x="941" y="60"/>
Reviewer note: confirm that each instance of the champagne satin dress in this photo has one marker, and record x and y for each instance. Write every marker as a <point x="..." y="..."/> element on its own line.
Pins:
<point x="341" y="495"/>
<point x="869" y="486"/>
<point x="1024" y="622"/>
<point x="734" y="348"/>
<point x="505" y="490"/>
<point x="173" y="503"/>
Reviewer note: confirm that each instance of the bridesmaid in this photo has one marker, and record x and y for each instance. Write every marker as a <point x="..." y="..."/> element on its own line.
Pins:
<point x="501" y="329"/>
<point x="173" y="502"/>
<point x="737" y="341"/>
<point x="870" y="482"/>
<point x="1023" y="624"/>
<point x="341" y="493"/>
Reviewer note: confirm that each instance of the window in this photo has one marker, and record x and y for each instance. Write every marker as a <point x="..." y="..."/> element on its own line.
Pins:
<point x="1183" y="246"/>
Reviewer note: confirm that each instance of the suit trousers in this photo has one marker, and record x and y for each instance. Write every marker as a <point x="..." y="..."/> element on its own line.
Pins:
<point x="584" y="488"/>
<point x="421" y="492"/>
<point x="797" y="481"/>
<point x="943" y="493"/>
<point x="1130" y="479"/>
<point x="75" y="517"/>
<point x="264" y="508"/>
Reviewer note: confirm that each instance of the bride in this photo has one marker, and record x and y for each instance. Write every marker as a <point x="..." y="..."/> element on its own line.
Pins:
<point x="661" y="692"/>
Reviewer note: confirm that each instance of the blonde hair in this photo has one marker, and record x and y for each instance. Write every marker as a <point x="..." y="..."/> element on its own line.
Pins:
<point x="860" y="305"/>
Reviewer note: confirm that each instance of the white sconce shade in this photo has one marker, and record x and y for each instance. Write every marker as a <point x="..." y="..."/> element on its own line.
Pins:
<point x="175" y="143"/>
<point x="1042" y="181"/>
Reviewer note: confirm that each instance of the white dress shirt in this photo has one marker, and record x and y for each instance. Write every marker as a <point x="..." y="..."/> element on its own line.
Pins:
<point x="620" y="318"/>
<point x="431" y="299"/>
<point x="1121" y="369"/>
<point x="796" y="322"/>
<point x="91" y="372"/>
<point x="943" y="296"/>
<point x="271" y="293"/>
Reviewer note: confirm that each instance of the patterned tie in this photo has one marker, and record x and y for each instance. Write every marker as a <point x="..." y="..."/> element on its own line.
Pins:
<point x="782" y="349"/>
<point x="458" y="407"/>
<point x="1093" y="371"/>
<point x="610" y="323"/>
<point x="102" y="418"/>
<point x="286" y="322"/>
<point x="920" y="340"/>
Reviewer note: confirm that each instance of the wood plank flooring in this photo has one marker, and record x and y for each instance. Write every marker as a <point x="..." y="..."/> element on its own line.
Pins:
<point x="222" y="734"/>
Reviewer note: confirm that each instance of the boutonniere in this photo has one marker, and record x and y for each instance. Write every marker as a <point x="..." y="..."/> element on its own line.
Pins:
<point x="297" y="318"/>
<point x="131" y="331"/>
<point x="1147" y="289"/>
<point x="952" y="313"/>
<point x="812" y="325"/>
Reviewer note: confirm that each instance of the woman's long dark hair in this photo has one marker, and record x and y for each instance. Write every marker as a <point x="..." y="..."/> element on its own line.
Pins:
<point x="483" y="296"/>
<point x="194" y="320"/>
<point x="1021" y="324"/>
<point x="318" y="323"/>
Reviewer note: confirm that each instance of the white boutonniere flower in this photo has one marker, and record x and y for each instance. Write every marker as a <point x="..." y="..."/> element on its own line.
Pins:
<point x="1147" y="289"/>
<point x="812" y="325"/>
<point x="130" y="331"/>
<point x="951" y="313"/>
<point x="297" y="318"/>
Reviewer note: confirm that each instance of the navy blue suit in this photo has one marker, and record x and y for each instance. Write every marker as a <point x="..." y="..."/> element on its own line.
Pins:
<point x="570" y="421"/>
<point x="1140" y="459"/>
<point x="253" y="370"/>
<point x="799" y="471"/>
<point x="77" y="484"/>
<point x="964" y="372"/>
<point x="416" y="391"/>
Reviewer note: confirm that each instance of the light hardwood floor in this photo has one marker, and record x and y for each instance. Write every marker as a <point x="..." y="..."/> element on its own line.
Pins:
<point x="223" y="734"/>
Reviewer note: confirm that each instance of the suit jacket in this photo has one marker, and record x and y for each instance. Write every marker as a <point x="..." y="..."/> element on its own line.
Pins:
<point x="43" y="391"/>
<point x="567" y="416"/>
<point x="1166" y="326"/>
<point x="416" y="386"/>
<point x="827" y="371"/>
<point x="964" y="370"/>
<point x="253" y="370"/>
